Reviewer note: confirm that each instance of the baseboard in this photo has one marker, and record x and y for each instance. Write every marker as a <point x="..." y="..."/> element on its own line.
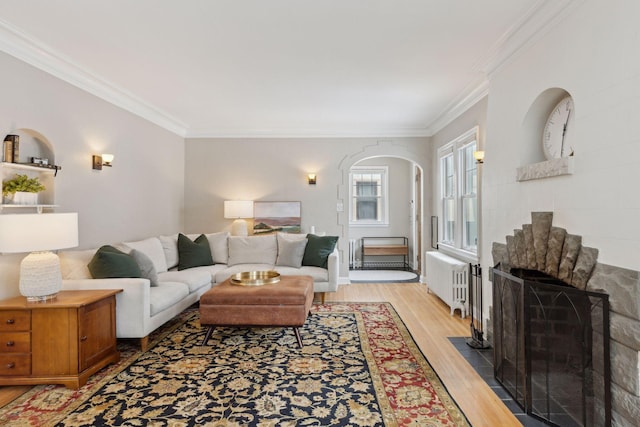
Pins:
<point x="344" y="281"/>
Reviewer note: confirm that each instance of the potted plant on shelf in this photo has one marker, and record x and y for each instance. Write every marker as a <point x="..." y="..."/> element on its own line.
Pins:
<point x="22" y="190"/>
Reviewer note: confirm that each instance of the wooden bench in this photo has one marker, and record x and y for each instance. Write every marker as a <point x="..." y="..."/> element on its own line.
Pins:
<point x="385" y="246"/>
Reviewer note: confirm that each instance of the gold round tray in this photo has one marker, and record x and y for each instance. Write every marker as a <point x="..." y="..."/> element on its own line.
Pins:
<point x="255" y="278"/>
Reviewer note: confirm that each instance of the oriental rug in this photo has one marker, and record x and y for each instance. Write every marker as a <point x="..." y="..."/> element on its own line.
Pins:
<point x="359" y="367"/>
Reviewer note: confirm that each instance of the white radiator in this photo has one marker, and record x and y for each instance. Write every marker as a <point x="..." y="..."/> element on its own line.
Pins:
<point x="448" y="278"/>
<point x="352" y="253"/>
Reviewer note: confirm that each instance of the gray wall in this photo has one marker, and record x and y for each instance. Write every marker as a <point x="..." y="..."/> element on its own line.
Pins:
<point x="591" y="55"/>
<point x="140" y="196"/>
<point x="275" y="170"/>
<point x="474" y="116"/>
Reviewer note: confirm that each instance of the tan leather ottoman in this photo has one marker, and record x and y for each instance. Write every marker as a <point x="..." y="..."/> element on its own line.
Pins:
<point x="285" y="303"/>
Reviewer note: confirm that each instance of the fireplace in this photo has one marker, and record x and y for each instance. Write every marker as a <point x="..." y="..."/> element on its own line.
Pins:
<point x="544" y="248"/>
<point x="551" y="348"/>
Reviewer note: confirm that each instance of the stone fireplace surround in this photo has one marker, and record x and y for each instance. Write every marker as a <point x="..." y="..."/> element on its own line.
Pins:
<point x="551" y="250"/>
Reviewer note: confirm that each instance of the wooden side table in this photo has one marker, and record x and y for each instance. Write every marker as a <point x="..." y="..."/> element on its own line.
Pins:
<point x="61" y="341"/>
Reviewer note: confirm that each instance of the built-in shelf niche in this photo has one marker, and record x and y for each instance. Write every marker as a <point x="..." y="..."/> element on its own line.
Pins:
<point x="32" y="144"/>
<point x="533" y="163"/>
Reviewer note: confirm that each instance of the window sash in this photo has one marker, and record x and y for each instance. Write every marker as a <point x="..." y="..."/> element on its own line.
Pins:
<point x="368" y="196"/>
<point x="470" y="223"/>
<point x="459" y="193"/>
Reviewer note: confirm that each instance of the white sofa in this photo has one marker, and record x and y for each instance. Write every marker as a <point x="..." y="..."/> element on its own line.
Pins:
<point x="142" y="307"/>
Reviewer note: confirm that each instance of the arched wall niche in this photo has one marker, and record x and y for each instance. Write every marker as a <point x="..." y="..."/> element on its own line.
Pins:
<point x="533" y="125"/>
<point x="34" y="144"/>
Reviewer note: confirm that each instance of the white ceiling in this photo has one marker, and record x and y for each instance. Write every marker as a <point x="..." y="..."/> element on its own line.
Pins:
<point x="276" y="67"/>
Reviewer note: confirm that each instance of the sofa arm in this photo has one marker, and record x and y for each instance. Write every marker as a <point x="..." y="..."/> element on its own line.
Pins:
<point x="333" y="270"/>
<point x="133" y="304"/>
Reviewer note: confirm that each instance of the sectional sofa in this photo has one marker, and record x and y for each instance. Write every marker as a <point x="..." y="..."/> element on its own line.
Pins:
<point x="173" y="277"/>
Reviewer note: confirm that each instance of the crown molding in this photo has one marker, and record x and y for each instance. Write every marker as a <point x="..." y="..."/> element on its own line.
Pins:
<point x="308" y="133"/>
<point x="16" y="43"/>
<point x="467" y="99"/>
<point x="537" y="21"/>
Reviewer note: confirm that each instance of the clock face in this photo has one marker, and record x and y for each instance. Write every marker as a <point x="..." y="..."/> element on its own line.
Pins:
<point x="556" y="138"/>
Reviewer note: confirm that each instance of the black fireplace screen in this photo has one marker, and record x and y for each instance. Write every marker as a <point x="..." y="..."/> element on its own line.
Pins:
<point x="551" y="348"/>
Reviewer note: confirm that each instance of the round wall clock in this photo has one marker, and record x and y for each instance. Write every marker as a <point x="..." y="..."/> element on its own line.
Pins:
<point x="556" y="138"/>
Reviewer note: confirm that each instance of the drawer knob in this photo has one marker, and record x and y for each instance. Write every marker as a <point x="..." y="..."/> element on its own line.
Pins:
<point x="11" y="365"/>
<point x="10" y="321"/>
<point x="10" y="343"/>
<point x="83" y="338"/>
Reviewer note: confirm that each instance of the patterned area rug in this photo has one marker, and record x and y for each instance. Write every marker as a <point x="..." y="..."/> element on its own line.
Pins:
<point x="359" y="367"/>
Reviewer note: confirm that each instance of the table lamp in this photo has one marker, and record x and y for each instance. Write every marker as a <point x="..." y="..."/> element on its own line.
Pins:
<point x="40" y="276"/>
<point x="238" y="210"/>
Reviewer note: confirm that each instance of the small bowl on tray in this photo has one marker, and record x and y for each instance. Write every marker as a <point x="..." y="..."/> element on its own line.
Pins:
<point x="255" y="278"/>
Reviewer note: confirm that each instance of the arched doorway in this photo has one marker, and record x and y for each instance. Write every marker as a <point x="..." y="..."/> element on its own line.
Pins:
<point x="417" y="158"/>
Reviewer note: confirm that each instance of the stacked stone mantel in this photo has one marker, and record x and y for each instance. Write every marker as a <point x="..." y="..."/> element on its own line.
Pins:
<point x="552" y="250"/>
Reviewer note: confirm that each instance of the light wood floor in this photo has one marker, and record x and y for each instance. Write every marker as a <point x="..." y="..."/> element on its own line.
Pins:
<point x="431" y="325"/>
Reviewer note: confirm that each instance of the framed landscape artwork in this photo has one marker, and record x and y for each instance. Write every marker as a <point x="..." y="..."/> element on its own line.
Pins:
<point x="269" y="217"/>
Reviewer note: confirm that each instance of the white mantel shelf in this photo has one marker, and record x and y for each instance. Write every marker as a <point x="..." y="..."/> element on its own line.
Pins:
<point x="550" y="168"/>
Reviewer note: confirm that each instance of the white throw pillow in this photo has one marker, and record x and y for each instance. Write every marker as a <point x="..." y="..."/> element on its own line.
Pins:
<point x="152" y="248"/>
<point x="147" y="269"/>
<point x="291" y="249"/>
<point x="218" y="242"/>
<point x="252" y="250"/>
<point x="170" y="248"/>
<point x="73" y="264"/>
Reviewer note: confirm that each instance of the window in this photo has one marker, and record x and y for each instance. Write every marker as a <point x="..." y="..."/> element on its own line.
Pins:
<point x="459" y="192"/>
<point x="368" y="193"/>
<point x="448" y="199"/>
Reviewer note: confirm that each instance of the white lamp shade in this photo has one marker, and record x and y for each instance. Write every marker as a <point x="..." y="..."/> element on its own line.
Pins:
<point x="38" y="232"/>
<point x="234" y="209"/>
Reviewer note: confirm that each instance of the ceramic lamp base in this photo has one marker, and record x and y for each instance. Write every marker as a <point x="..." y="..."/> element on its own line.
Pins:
<point x="40" y="276"/>
<point x="239" y="228"/>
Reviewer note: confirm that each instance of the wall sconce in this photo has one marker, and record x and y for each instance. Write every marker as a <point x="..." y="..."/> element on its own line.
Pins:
<point x="479" y="156"/>
<point x="103" y="160"/>
<point x="311" y="178"/>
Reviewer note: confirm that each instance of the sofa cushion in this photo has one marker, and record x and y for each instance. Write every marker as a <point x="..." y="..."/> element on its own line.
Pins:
<point x="223" y="275"/>
<point x="193" y="253"/>
<point x="194" y="278"/>
<point x="109" y="262"/>
<point x="152" y="248"/>
<point x="147" y="269"/>
<point x="170" y="248"/>
<point x="252" y="250"/>
<point x="290" y="249"/>
<point x="318" y="274"/>
<point x="318" y="250"/>
<point x="166" y="295"/>
<point x="74" y="264"/>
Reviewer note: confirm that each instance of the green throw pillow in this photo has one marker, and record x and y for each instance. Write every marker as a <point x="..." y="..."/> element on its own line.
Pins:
<point x="318" y="250"/>
<point x="193" y="253"/>
<point x="109" y="263"/>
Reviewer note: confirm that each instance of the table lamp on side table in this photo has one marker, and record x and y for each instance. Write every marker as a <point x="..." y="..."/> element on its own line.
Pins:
<point x="40" y="276"/>
<point x="238" y="210"/>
